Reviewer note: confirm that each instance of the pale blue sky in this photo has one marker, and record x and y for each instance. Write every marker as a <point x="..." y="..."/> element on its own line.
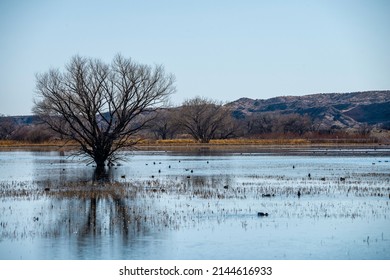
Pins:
<point x="219" y="49"/>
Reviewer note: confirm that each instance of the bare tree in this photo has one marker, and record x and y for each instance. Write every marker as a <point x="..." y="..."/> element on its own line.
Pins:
<point x="7" y="127"/>
<point x="229" y="128"/>
<point x="164" y="125"/>
<point x="364" y="130"/>
<point x="293" y="123"/>
<point x="101" y="106"/>
<point x="202" y="118"/>
<point x="260" y="123"/>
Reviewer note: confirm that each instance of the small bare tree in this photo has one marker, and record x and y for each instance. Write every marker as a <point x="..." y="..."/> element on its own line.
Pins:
<point x="101" y="106"/>
<point x="293" y="123"/>
<point x="164" y="125"/>
<point x="202" y="118"/>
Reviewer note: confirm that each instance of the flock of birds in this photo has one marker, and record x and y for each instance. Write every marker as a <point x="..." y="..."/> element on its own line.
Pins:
<point x="226" y="187"/>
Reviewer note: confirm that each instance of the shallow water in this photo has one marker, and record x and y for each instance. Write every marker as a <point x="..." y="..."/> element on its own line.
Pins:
<point x="172" y="205"/>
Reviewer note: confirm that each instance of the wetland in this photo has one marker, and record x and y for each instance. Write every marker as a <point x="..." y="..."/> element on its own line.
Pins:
<point x="200" y="204"/>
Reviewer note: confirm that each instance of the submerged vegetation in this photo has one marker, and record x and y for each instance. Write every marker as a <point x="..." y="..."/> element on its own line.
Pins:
<point x="84" y="208"/>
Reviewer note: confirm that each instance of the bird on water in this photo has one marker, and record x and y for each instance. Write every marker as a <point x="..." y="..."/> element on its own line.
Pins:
<point x="262" y="214"/>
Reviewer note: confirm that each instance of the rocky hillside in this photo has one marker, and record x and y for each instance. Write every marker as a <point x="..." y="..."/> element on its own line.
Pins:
<point x="341" y="110"/>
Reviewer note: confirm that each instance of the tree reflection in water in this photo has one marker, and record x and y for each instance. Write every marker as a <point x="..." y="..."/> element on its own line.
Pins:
<point x="99" y="207"/>
<point x="107" y="206"/>
<point x="102" y="175"/>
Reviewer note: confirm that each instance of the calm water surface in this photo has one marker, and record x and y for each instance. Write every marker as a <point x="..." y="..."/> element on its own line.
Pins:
<point x="170" y="205"/>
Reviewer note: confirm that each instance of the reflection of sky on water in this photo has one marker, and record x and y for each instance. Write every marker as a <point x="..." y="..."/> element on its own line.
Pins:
<point x="35" y="165"/>
<point x="195" y="217"/>
<point x="58" y="166"/>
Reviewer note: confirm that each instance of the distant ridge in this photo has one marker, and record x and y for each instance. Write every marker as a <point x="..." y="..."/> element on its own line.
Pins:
<point x="342" y="110"/>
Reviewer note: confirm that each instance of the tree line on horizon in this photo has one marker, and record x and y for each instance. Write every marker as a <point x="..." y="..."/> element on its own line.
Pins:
<point x="105" y="107"/>
<point x="200" y="119"/>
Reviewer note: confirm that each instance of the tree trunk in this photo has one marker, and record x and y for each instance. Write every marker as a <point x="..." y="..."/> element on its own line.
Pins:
<point x="100" y="174"/>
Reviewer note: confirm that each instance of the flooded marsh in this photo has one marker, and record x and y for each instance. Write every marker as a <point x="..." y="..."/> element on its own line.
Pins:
<point x="206" y="205"/>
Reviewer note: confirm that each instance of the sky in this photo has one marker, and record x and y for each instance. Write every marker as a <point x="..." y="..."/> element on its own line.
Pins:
<point x="223" y="50"/>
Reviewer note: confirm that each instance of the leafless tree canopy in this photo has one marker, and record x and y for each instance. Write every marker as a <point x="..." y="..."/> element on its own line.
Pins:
<point x="202" y="118"/>
<point x="99" y="105"/>
<point x="164" y="125"/>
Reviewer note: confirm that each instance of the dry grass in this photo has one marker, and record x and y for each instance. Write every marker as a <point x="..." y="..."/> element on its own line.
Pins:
<point x="260" y="142"/>
<point x="9" y="144"/>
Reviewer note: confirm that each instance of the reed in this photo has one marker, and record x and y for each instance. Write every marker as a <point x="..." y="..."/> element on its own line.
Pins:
<point x="8" y="144"/>
<point x="51" y="143"/>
